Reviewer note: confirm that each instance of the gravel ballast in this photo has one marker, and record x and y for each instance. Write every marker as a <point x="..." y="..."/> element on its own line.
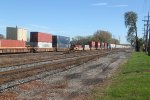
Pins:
<point x="68" y="84"/>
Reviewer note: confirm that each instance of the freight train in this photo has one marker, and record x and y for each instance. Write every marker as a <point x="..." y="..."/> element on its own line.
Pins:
<point x="43" y="42"/>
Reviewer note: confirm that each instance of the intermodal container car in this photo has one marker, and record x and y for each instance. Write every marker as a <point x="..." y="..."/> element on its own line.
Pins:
<point x="41" y="44"/>
<point x="92" y="44"/>
<point x="40" y="37"/>
<point x="12" y="43"/>
<point x="60" y="41"/>
<point x="97" y="45"/>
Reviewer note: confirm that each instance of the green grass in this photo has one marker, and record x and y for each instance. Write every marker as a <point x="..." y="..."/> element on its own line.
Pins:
<point x="131" y="83"/>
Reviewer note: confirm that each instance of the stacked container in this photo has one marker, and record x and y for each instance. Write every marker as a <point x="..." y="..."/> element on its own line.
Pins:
<point x="92" y="45"/>
<point x="105" y="45"/>
<point x="40" y="40"/>
<point x="61" y="42"/>
<point x="102" y="45"/>
<point x="97" y="45"/>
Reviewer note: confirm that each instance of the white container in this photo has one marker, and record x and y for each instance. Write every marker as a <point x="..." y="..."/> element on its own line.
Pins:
<point x="86" y="47"/>
<point x="113" y="45"/>
<point x="41" y="44"/>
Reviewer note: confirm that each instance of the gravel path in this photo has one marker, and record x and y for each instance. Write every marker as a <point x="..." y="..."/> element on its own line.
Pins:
<point x="70" y="84"/>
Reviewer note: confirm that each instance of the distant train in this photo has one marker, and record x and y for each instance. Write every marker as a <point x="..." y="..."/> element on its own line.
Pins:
<point x="99" y="45"/>
<point x="43" y="42"/>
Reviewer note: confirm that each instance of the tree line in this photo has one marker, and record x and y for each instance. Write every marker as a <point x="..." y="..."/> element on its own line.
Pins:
<point x="98" y="36"/>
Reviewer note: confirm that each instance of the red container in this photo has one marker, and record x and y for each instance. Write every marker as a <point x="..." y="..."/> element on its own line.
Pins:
<point x="92" y="44"/>
<point x="97" y="44"/>
<point x="40" y="37"/>
<point x="12" y="43"/>
<point x="78" y="46"/>
<point x="105" y="45"/>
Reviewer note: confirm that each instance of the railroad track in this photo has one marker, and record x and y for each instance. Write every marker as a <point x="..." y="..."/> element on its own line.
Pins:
<point x="11" y="78"/>
<point x="22" y="59"/>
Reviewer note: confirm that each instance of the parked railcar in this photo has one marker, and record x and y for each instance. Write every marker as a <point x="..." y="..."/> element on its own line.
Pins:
<point x="41" y="42"/>
<point x="13" y="46"/>
<point x="92" y="45"/>
<point x="77" y="47"/>
<point x="61" y="43"/>
<point x="98" y="45"/>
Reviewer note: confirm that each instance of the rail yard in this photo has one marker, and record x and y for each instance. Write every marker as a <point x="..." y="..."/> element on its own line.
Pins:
<point x="20" y="71"/>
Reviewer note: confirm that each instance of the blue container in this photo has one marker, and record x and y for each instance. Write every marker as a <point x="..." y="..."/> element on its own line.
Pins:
<point x="61" y="41"/>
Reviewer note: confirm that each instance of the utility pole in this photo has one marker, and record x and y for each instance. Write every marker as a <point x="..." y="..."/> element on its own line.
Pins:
<point x="147" y="43"/>
<point x="144" y="38"/>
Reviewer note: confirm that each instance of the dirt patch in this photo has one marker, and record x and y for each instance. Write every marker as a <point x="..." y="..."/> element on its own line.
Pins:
<point x="92" y="81"/>
<point x="147" y="70"/>
<point x="8" y="96"/>
<point x="59" y="85"/>
<point x="31" y="85"/>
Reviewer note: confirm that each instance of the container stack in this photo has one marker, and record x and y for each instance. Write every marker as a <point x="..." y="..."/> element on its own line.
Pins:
<point x="105" y="45"/>
<point x="92" y="45"/>
<point x="97" y="45"/>
<point x="102" y="45"/>
<point x="61" y="42"/>
<point x="40" y="40"/>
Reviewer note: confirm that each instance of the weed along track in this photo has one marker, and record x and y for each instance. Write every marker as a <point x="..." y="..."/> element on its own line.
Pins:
<point x="63" y="64"/>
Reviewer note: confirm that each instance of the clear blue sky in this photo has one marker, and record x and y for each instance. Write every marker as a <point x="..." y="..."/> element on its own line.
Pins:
<point x="71" y="17"/>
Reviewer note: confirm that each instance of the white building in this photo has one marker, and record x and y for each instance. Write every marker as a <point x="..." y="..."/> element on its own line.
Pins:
<point x="15" y="33"/>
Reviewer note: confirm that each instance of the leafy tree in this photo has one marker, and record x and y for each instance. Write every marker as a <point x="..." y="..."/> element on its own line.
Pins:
<point x="141" y="43"/>
<point x="80" y="40"/>
<point x="99" y="36"/>
<point x="131" y="39"/>
<point x="114" y="41"/>
<point x="103" y="36"/>
<point x="130" y="23"/>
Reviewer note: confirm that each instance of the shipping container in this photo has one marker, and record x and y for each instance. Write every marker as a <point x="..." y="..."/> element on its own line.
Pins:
<point x="61" y="41"/>
<point x="105" y="45"/>
<point x="92" y="44"/>
<point x="108" y="46"/>
<point x="78" y="47"/>
<point x="40" y="37"/>
<point x="86" y="47"/>
<point x="12" y="43"/>
<point x="113" y="46"/>
<point x="102" y="45"/>
<point x="98" y="45"/>
<point x="41" y="44"/>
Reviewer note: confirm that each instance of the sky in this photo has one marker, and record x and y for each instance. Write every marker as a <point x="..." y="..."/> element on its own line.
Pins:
<point x="72" y="17"/>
